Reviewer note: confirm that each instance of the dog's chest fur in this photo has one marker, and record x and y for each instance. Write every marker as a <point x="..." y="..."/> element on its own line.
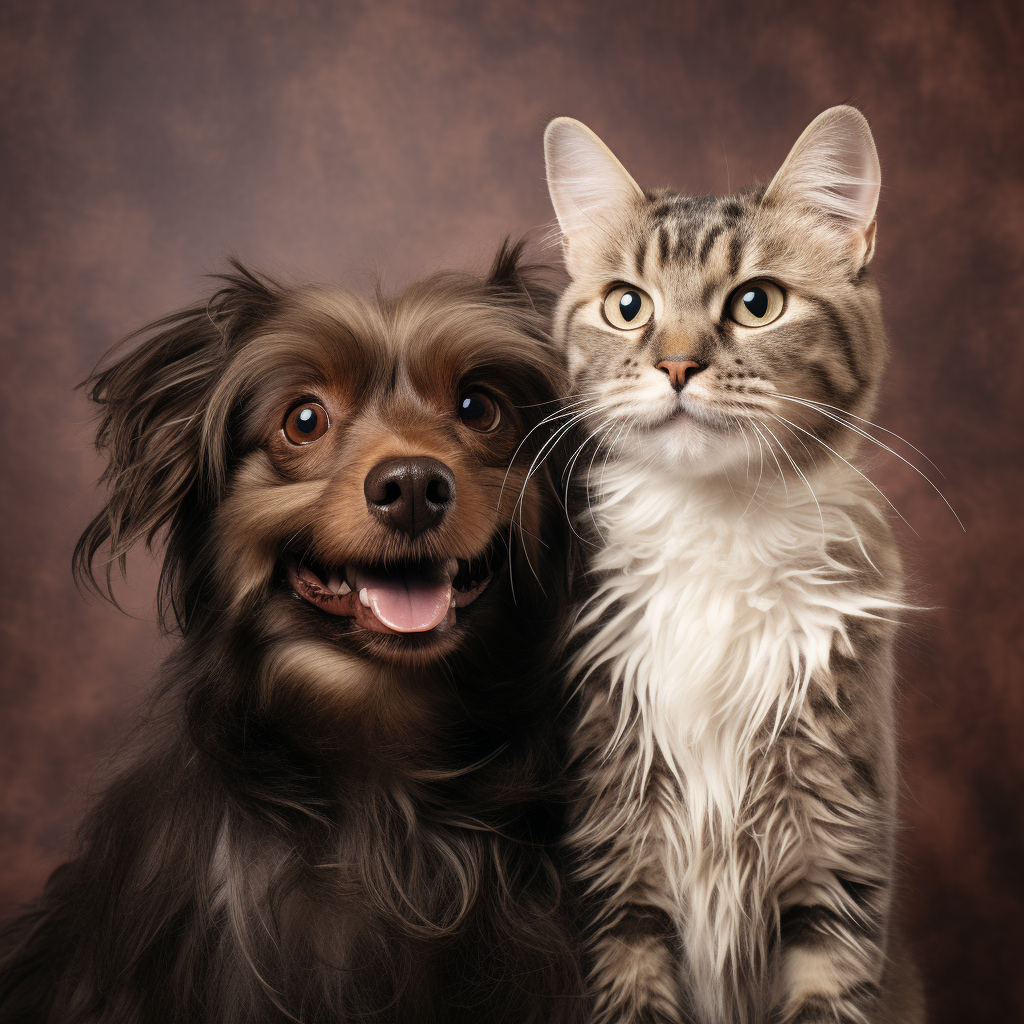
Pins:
<point x="712" y="616"/>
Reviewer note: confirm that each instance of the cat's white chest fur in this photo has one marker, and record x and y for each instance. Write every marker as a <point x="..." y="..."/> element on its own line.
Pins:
<point x="716" y="608"/>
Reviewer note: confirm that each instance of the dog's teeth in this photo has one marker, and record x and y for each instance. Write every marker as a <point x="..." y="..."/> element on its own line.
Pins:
<point x="334" y="583"/>
<point x="452" y="566"/>
<point x="364" y="598"/>
<point x="452" y="605"/>
<point x="344" y="589"/>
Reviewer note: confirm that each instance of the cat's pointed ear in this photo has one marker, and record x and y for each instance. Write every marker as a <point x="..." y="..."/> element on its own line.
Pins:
<point x="833" y="169"/>
<point x="590" y="190"/>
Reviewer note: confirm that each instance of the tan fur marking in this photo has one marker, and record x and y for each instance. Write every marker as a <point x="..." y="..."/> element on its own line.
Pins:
<point x="811" y="972"/>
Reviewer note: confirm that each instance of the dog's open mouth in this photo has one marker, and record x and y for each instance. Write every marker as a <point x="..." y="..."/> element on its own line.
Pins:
<point x="407" y="597"/>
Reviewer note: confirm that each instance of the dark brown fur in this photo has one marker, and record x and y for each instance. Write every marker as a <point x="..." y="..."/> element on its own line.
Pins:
<point x="315" y="822"/>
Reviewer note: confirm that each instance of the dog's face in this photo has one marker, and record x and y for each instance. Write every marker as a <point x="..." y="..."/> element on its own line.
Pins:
<point x="357" y="488"/>
<point x="385" y="473"/>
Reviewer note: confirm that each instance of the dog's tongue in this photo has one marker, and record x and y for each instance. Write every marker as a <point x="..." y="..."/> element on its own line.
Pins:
<point x="407" y="601"/>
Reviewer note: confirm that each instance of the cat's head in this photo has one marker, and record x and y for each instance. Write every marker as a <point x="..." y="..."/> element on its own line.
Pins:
<point x="702" y="331"/>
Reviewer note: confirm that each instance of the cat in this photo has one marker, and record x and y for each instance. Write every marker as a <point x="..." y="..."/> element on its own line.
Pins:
<point x="733" y="746"/>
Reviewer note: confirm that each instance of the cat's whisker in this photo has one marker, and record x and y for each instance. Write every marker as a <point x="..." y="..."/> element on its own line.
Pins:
<point x="837" y="417"/>
<point x="566" y="474"/>
<point x="570" y="467"/>
<point x="569" y="415"/>
<point x="518" y="507"/>
<point x="807" y="483"/>
<point x="760" y="472"/>
<point x="589" y="489"/>
<point x="746" y="448"/>
<point x="623" y="427"/>
<point x="561" y="403"/>
<point x="603" y="443"/>
<point x="553" y="416"/>
<point x="558" y="403"/>
<point x="570" y="409"/>
<point x="582" y="397"/>
<point x="863" y="433"/>
<point x="771" y="451"/>
<point x="549" y="444"/>
<point x="796" y="426"/>
<point x="822" y="406"/>
<point x="782" y="419"/>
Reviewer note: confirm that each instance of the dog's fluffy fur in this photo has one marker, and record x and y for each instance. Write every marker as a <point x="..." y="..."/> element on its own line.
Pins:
<point x="316" y="820"/>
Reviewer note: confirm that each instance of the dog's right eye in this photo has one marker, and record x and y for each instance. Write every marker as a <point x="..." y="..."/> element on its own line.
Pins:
<point x="306" y="423"/>
<point x="478" y="411"/>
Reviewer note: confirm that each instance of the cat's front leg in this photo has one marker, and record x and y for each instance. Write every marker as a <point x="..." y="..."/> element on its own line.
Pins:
<point x="621" y="847"/>
<point x="831" y="963"/>
<point x="835" y="904"/>
<point x="634" y="967"/>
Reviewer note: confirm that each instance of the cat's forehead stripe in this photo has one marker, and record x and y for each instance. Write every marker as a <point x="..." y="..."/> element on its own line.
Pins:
<point x="732" y="211"/>
<point x="709" y="240"/>
<point x="735" y="251"/>
<point x="663" y="243"/>
<point x="688" y="234"/>
<point x="709" y="291"/>
<point x="640" y="257"/>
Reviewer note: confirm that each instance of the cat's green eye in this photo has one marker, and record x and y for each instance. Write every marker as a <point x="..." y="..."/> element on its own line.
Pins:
<point x="757" y="303"/>
<point x="628" y="308"/>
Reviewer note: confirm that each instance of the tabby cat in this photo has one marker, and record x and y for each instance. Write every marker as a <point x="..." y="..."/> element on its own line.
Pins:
<point x="734" y="812"/>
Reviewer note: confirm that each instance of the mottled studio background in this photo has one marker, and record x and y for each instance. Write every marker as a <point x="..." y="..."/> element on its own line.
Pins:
<point x="141" y="142"/>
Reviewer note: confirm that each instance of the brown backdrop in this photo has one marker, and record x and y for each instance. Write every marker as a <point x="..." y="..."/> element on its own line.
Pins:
<point x="142" y="142"/>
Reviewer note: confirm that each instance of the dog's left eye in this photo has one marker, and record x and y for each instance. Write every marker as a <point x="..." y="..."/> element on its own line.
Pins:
<point x="478" y="411"/>
<point x="306" y="423"/>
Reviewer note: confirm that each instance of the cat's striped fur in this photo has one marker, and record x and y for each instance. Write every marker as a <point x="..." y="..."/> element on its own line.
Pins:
<point x="734" y="750"/>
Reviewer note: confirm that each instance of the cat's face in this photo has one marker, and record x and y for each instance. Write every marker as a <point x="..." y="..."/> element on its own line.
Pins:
<point x="719" y="334"/>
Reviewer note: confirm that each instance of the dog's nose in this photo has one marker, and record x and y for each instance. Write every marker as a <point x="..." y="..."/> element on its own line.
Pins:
<point x="411" y="495"/>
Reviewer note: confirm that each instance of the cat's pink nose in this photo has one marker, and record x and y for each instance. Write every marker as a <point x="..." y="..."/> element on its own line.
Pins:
<point x="679" y="371"/>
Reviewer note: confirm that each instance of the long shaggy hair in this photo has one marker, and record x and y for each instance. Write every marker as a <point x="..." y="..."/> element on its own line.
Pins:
<point x="338" y="803"/>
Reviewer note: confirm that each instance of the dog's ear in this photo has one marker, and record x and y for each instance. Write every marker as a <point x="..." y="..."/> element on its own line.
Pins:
<point x="525" y="283"/>
<point x="166" y="459"/>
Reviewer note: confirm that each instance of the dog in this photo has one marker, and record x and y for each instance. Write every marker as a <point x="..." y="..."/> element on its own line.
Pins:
<point x="338" y="805"/>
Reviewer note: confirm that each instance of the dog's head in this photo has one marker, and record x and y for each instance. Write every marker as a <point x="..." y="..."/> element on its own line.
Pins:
<point x="347" y="477"/>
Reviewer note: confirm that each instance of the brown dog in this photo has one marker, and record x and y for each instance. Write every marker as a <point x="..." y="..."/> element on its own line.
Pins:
<point x="337" y="807"/>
